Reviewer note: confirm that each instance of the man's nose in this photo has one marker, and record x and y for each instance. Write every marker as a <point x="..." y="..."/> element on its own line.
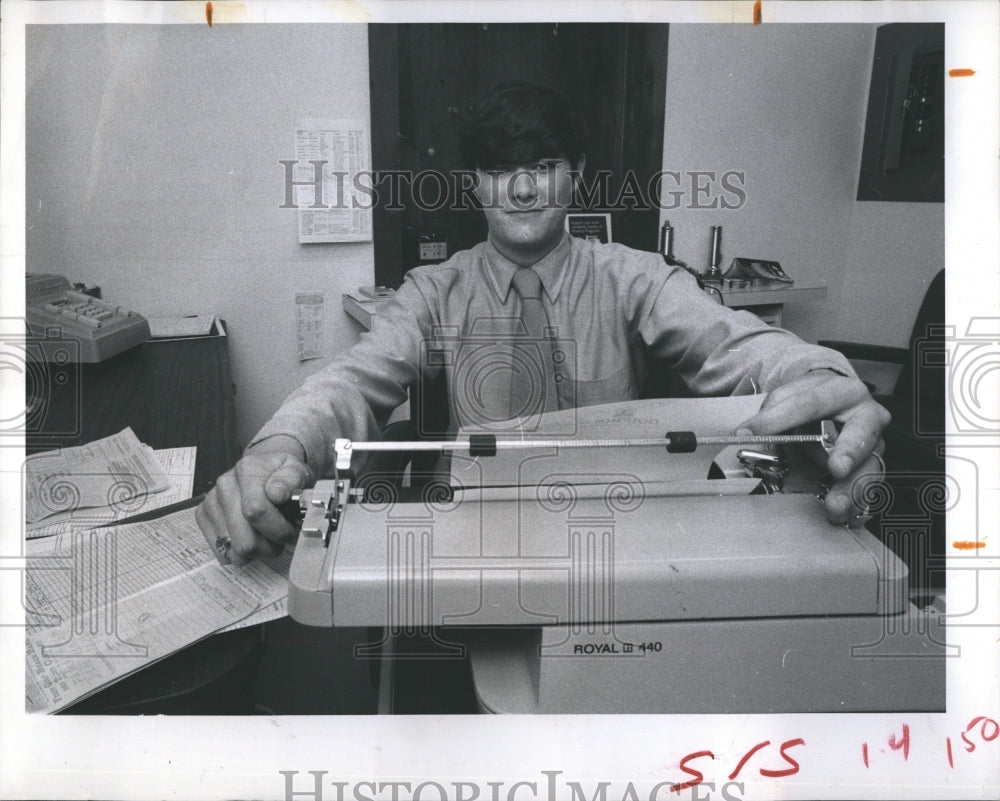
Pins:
<point x="523" y="187"/>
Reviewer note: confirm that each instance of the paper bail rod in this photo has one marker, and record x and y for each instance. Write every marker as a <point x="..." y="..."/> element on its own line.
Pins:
<point x="488" y="444"/>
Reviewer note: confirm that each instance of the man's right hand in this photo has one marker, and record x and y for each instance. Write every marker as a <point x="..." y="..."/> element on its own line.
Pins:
<point x="242" y="505"/>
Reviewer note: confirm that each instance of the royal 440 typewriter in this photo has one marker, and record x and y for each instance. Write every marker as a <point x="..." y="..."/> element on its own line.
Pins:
<point x="619" y="568"/>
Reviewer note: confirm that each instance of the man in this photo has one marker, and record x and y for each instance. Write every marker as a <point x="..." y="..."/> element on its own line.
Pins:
<point x="614" y="306"/>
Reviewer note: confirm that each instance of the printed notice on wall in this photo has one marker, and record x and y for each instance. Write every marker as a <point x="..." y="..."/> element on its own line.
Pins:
<point x="309" y="324"/>
<point x="331" y="162"/>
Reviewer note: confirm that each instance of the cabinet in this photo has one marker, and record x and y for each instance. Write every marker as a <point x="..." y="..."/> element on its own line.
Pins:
<point x="172" y="392"/>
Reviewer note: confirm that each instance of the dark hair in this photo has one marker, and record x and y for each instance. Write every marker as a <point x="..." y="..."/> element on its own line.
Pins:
<point x="520" y="123"/>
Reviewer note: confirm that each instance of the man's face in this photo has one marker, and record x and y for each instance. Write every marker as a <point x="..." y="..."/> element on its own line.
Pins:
<point x="525" y="207"/>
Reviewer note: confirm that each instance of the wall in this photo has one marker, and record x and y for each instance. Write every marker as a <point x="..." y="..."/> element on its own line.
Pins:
<point x="152" y="155"/>
<point x="786" y="105"/>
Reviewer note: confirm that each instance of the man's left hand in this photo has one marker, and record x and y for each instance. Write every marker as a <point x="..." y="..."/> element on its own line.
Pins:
<point x="856" y="455"/>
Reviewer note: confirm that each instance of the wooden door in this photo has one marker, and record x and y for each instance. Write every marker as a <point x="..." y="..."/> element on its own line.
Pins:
<point x="422" y="73"/>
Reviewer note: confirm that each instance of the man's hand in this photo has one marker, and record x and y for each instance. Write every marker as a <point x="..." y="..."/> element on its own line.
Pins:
<point x="240" y="509"/>
<point x="825" y="395"/>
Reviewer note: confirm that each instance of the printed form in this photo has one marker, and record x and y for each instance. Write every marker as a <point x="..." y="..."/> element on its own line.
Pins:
<point x="118" y="599"/>
<point x="331" y="157"/>
<point x="117" y="471"/>
<point x="176" y="465"/>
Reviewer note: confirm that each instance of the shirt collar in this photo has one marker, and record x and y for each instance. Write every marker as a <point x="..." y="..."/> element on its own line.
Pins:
<point x="551" y="268"/>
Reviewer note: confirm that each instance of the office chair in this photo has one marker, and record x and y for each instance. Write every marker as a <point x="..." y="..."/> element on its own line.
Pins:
<point x="911" y="522"/>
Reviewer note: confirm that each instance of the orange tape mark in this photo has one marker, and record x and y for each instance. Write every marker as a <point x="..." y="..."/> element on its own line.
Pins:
<point x="961" y="72"/>
<point x="967" y="545"/>
<point x="208" y="13"/>
<point x="758" y="16"/>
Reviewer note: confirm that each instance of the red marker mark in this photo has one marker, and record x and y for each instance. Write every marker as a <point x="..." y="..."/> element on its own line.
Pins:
<point x="961" y="72"/>
<point x="967" y="545"/>
<point x="699" y="777"/>
<point x="758" y="16"/>
<point x="793" y="765"/>
<point x="903" y="742"/>
<point x="951" y="761"/>
<point x="994" y="728"/>
<point x="208" y="13"/>
<point x="746" y="758"/>
<point x="864" y="752"/>
<point x="989" y="730"/>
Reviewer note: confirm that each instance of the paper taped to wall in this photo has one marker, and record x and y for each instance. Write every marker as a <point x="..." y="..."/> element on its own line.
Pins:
<point x="330" y="155"/>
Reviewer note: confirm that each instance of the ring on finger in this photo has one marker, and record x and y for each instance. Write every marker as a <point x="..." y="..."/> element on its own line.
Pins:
<point x="222" y="547"/>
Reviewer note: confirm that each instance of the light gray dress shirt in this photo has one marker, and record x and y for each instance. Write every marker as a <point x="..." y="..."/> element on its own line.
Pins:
<point x="612" y="309"/>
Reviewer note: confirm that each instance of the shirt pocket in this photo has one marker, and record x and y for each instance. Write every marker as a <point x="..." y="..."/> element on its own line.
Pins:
<point x="613" y="388"/>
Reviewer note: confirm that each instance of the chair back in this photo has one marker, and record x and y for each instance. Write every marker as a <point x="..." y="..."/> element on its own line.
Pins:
<point x="922" y="379"/>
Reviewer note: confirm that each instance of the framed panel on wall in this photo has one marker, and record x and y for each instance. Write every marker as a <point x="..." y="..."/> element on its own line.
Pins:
<point x="903" y="153"/>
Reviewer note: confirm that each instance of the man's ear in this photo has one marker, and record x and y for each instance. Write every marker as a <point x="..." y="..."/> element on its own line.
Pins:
<point x="578" y="169"/>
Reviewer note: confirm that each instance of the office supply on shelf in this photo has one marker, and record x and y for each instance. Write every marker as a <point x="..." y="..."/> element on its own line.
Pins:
<point x="70" y="324"/>
<point x="118" y="599"/>
<point x="667" y="251"/>
<point x="114" y="473"/>
<point x="184" y="325"/>
<point x="627" y="579"/>
<point x="756" y="271"/>
<point x="363" y="307"/>
<point x="713" y="272"/>
<point x="377" y="292"/>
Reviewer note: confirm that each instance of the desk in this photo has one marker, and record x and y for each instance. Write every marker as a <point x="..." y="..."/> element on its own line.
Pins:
<point x="172" y="392"/>
<point x="768" y="302"/>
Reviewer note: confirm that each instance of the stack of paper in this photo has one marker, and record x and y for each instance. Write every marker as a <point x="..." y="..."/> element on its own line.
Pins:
<point x="101" y="482"/>
<point x="114" y="600"/>
<point x="103" y="601"/>
<point x="185" y="325"/>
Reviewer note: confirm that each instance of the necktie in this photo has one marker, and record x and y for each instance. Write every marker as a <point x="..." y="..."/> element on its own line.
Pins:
<point x="533" y="387"/>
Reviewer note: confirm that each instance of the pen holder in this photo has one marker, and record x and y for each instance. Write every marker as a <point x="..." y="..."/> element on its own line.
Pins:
<point x="713" y="273"/>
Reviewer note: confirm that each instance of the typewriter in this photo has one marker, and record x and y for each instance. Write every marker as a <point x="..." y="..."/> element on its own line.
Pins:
<point x="624" y="569"/>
